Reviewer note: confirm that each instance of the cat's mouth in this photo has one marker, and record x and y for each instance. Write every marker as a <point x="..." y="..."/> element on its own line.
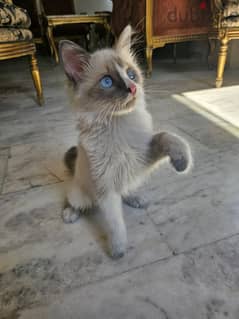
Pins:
<point x="127" y="108"/>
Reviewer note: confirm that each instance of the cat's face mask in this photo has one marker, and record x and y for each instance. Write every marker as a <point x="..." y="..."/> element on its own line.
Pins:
<point x="107" y="81"/>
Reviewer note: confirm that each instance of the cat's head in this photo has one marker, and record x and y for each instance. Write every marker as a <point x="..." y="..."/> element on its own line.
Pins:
<point x="108" y="81"/>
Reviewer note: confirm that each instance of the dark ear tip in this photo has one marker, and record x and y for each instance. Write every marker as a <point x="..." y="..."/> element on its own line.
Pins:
<point x="60" y="44"/>
<point x="65" y="42"/>
<point x="70" y="45"/>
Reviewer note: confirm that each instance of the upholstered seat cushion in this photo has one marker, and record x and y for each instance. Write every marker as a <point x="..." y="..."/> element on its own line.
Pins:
<point x="14" y="34"/>
<point x="231" y="14"/>
<point x="11" y="15"/>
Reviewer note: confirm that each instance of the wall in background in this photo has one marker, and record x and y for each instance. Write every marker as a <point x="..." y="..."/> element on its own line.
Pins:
<point x="90" y="6"/>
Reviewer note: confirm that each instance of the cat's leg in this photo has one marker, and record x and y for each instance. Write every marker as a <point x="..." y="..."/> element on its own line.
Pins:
<point x="168" y="145"/>
<point x="162" y="145"/>
<point x="80" y="190"/>
<point x="111" y="209"/>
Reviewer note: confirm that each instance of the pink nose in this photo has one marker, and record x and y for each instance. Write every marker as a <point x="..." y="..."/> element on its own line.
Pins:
<point x="133" y="88"/>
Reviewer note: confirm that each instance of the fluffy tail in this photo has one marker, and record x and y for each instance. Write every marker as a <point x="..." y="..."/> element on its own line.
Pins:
<point x="70" y="159"/>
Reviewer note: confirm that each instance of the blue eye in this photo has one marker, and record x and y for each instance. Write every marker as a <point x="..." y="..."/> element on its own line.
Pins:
<point x="106" y="82"/>
<point x="131" y="74"/>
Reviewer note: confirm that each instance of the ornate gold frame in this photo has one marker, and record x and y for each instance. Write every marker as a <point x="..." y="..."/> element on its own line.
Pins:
<point x="18" y="49"/>
<point x="153" y="42"/>
<point x="224" y="35"/>
<point x="53" y="21"/>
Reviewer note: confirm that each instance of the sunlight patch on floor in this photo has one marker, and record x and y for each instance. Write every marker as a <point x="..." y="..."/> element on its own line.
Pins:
<point x="220" y="106"/>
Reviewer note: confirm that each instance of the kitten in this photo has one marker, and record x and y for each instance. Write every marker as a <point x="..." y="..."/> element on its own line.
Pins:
<point x="117" y="146"/>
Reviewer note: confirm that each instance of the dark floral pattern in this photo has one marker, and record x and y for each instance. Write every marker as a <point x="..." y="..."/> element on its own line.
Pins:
<point x="11" y="15"/>
<point x="230" y="12"/>
<point x="14" y="34"/>
<point x="14" y="23"/>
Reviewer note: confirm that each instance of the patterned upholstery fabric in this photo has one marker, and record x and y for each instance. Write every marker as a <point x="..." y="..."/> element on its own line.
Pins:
<point x="14" y="23"/>
<point x="230" y="12"/>
<point x="11" y="15"/>
<point x="14" y="34"/>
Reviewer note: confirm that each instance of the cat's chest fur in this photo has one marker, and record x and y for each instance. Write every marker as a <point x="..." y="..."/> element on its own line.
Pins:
<point x="116" y="150"/>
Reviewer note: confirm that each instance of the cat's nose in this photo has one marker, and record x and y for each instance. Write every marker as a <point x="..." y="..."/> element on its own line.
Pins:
<point x="132" y="88"/>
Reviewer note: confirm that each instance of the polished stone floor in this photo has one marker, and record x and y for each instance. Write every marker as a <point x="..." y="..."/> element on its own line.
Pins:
<point x="183" y="256"/>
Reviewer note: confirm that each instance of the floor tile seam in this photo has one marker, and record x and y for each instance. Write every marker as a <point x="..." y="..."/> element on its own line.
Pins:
<point x="18" y="192"/>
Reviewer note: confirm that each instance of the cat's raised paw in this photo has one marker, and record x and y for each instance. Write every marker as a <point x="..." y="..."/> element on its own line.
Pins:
<point x="180" y="154"/>
<point x="180" y="164"/>
<point x="70" y="215"/>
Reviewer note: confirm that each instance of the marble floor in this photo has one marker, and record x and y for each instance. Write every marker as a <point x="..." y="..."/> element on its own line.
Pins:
<point x="222" y="104"/>
<point x="183" y="255"/>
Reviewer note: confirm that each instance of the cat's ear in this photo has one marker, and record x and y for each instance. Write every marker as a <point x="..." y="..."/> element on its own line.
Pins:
<point x="74" y="59"/>
<point x="124" y="40"/>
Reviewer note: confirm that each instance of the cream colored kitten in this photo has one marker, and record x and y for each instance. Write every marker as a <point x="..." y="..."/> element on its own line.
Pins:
<point x="117" y="145"/>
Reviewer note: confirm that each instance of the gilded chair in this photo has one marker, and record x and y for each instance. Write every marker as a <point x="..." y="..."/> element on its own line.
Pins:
<point x="16" y="39"/>
<point x="66" y="20"/>
<point x="225" y="28"/>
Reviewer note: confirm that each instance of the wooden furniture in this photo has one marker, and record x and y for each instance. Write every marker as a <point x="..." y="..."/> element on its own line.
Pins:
<point x="225" y="29"/>
<point x="175" y="21"/>
<point x="163" y="21"/>
<point x="128" y="12"/>
<point x="65" y="16"/>
<point x="53" y="21"/>
<point x="32" y="7"/>
<point x="35" y="8"/>
<point x="16" y="40"/>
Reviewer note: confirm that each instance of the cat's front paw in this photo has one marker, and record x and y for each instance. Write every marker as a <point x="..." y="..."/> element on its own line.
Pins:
<point x="170" y="145"/>
<point x="70" y="215"/>
<point x="118" y="248"/>
<point x="180" y="163"/>
<point x="180" y="155"/>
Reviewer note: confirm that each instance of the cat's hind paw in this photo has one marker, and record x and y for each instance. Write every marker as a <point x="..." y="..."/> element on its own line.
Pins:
<point x="135" y="202"/>
<point x="70" y="215"/>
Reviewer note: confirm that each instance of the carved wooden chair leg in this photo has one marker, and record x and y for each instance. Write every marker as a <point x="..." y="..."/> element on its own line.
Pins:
<point x="52" y="45"/>
<point x="221" y="61"/>
<point x="108" y="34"/>
<point x="149" y="53"/>
<point x="36" y="79"/>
